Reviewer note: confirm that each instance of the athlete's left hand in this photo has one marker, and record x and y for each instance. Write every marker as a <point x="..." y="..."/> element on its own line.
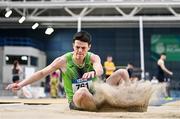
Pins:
<point x="88" y="75"/>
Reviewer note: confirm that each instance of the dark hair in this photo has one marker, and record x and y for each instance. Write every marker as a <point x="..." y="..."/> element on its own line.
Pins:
<point x="162" y="54"/>
<point x="130" y="63"/>
<point x="82" y="36"/>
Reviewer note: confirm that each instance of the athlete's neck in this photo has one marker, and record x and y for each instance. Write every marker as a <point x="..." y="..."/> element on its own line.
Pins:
<point x="78" y="61"/>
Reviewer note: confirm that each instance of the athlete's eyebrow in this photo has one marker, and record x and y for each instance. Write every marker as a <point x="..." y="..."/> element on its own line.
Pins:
<point x="80" y="47"/>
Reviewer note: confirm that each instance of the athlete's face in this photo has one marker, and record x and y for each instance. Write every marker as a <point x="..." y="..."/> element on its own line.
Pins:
<point x="80" y="49"/>
<point x="109" y="59"/>
<point x="164" y="57"/>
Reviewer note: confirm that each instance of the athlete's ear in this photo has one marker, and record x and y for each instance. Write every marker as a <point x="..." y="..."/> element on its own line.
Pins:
<point x="73" y="45"/>
<point x="89" y="47"/>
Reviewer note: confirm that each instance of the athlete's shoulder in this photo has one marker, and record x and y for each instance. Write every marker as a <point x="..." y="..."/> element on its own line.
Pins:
<point x="94" y="57"/>
<point x="160" y="62"/>
<point x="68" y="54"/>
<point x="63" y="57"/>
<point x="92" y="54"/>
<point x="61" y="60"/>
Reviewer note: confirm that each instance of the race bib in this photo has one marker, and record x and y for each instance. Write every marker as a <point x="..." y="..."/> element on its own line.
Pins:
<point x="79" y="83"/>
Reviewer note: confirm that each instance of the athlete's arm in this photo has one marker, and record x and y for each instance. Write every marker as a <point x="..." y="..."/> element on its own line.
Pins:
<point x="161" y="64"/>
<point x="97" y="64"/>
<point x="56" y="64"/>
<point x="98" y="69"/>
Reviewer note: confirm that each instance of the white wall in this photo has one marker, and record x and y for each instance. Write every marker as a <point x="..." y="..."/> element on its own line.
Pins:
<point x="14" y="50"/>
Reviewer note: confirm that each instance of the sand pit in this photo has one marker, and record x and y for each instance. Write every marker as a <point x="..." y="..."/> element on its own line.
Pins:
<point x="42" y="101"/>
<point x="132" y="97"/>
<point x="58" y="109"/>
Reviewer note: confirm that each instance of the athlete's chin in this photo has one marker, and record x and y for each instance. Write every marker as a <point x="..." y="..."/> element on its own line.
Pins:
<point x="80" y="57"/>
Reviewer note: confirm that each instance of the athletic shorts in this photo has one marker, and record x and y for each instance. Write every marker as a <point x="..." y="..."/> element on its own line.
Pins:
<point x="107" y="76"/>
<point x="160" y="78"/>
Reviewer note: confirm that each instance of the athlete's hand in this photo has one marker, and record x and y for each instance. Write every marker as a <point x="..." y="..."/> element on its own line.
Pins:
<point x="171" y="73"/>
<point x="14" y="87"/>
<point x="88" y="75"/>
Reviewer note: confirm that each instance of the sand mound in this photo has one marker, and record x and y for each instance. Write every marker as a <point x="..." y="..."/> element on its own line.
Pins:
<point x="132" y="97"/>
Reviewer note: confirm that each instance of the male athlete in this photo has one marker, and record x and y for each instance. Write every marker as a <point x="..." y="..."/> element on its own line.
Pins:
<point x="79" y="69"/>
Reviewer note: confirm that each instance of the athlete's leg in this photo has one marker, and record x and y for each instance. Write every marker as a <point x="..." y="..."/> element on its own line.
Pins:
<point x="83" y="99"/>
<point x="118" y="76"/>
<point x="168" y="89"/>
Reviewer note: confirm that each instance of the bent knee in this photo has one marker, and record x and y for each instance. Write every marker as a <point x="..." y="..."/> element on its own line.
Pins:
<point x="122" y="72"/>
<point x="82" y="90"/>
<point x="81" y="94"/>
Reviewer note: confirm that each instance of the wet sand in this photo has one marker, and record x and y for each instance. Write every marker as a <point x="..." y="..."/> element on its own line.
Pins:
<point x="58" y="109"/>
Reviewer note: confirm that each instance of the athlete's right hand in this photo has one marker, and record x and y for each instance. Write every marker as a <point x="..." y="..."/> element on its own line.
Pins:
<point x="88" y="75"/>
<point x="13" y="87"/>
<point x="171" y="73"/>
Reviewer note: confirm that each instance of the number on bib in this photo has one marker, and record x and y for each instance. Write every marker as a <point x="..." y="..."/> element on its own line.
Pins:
<point x="79" y="83"/>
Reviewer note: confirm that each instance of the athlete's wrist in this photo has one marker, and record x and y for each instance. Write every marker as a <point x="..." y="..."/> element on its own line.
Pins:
<point x="94" y="72"/>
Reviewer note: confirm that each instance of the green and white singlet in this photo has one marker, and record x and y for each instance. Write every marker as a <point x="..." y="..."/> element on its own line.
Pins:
<point x="73" y="74"/>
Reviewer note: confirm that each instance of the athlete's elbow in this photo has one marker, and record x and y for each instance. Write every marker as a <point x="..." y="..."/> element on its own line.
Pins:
<point x="102" y="71"/>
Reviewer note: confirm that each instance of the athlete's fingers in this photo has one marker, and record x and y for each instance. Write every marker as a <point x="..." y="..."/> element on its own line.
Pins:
<point x="88" y="75"/>
<point x="14" y="87"/>
<point x="92" y="74"/>
<point x="85" y="75"/>
<point x="10" y="86"/>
